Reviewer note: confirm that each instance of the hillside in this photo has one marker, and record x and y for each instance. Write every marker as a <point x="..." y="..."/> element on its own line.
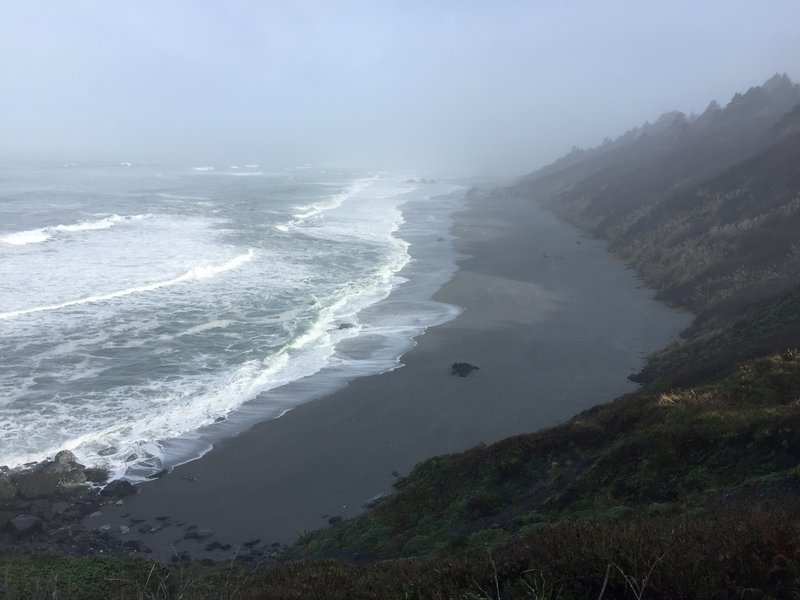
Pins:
<point x="707" y="210"/>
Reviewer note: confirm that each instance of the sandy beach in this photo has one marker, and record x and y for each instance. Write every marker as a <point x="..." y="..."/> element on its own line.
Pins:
<point x="555" y="325"/>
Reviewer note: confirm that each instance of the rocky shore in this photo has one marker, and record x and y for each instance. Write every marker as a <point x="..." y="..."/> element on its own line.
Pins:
<point x="44" y="507"/>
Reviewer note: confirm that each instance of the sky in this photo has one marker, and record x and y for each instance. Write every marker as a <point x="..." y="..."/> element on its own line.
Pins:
<point x="457" y="87"/>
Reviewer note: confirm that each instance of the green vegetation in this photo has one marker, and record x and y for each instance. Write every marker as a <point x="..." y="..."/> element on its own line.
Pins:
<point x="677" y="452"/>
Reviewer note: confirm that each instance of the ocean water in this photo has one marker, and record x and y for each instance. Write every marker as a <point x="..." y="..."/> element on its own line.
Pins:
<point x="146" y="312"/>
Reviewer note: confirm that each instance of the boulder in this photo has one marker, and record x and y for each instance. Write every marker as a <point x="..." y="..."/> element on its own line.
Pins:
<point x="462" y="369"/>
<point x="72" y="477"/>
<point x="65" y="461"/>
<point x="8" y="491"/>
<point x="119" y="489"/>
<point x="25" y="524"/>
<point x="39" y="484"/>
<point x="96" y="475"/>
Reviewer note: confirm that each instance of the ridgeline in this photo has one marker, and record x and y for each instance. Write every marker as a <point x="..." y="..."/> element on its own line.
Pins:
<point x="685" y="489"/>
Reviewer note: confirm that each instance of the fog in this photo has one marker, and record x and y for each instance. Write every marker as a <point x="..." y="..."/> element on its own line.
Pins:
<point x="451" y="87"/>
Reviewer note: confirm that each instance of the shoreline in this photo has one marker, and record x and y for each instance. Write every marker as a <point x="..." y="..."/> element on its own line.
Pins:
<point x="552" y="320"/>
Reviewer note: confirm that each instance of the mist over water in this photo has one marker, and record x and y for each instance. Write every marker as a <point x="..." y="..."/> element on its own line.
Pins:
<point x="139" y="304"/>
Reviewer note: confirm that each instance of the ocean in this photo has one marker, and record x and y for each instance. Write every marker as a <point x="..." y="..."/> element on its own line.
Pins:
<point x="148" y="311"/>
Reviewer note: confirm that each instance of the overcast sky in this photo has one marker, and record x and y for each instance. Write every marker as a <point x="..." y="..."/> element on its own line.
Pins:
<point x="460" y="86"/>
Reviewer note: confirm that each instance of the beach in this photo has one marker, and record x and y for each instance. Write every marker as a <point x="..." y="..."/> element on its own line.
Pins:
<point x="555" y="325"/>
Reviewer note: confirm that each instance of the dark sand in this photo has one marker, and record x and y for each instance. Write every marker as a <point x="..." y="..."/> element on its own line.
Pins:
<point x="552" y="320"/>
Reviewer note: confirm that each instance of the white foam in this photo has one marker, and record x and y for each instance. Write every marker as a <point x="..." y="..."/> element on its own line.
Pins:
<point x="194" y="274"/>
<point x="251" y="166"/>
<point x="181" y="197"/>
<point x="203" y="168"/>
<point x="42" y="234"/>
<point x="312" y="210"/>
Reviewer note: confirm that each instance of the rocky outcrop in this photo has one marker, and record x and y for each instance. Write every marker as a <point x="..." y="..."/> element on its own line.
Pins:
<point x="38" y="502"/>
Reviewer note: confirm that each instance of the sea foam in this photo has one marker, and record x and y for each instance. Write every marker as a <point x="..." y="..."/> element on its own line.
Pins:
<point x="42" y="234"/>
<point x="194" y="274"/>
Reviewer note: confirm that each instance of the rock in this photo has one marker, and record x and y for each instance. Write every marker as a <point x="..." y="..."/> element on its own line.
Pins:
<point x="66" y="458"/>
<point x="119" y="489"/>
<point x="25" y="524"/>
<point x="399" y="482"/>
<point x="462" y="369"/>
<point x="345" y="326"/>
<point x="72" y="477"/>
<point x="159" y="474"/>
<point x="331" y="521"/>
<point x="96" y="514"/>
<point x="96" y="475"/>
<point x="123" y="529"/>
<point x="217" y="546"/>
<point x="64" y="462"/>
<point x="5" y="517"/>
<point x="38" y="484"/>
<point x="375" y="500"/>
<point x="8" y="491"/>
<point x="134" y="545"/>
<point x="251" y="542"/>
<point x="108" y="451"/>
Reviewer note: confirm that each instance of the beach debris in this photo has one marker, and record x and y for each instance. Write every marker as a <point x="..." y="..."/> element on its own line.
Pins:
<point x="399" y="482"/>
<point x="462" y="369"/>
<point x="375" y="500"/>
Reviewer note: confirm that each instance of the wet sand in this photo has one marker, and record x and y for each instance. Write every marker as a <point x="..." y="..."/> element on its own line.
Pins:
<point x="555" y="325"/>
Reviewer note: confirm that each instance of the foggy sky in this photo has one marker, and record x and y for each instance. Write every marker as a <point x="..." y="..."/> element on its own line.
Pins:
<point x="461" y="87"/>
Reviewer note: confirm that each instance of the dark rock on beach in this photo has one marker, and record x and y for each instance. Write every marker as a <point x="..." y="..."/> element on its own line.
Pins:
<point x="42" y="506"/>
<point x="462" y="369"/>
<point x="25" y="524"/>
<point x="119" y="489"/>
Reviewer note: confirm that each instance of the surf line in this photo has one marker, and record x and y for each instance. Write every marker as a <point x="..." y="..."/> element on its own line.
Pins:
<point x="194" y="274"/>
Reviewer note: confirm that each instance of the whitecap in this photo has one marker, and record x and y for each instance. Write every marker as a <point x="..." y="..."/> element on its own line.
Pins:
<point x="42" y="234"/>
<point x="194" y="274"/>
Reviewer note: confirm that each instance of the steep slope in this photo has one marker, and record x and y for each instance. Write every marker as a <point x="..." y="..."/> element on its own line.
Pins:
<point x="707" y="210"/>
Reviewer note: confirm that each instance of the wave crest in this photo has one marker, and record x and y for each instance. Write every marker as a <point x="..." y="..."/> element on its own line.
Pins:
<point x="42" y="234"/>
<point x="194" y="274"/>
